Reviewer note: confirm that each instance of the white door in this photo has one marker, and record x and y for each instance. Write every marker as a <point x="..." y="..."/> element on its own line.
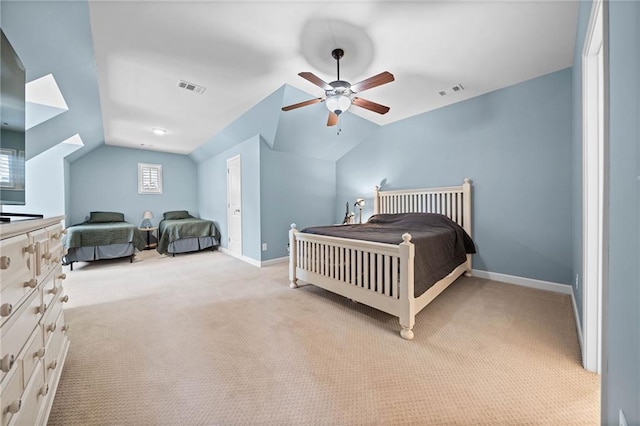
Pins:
<point x="234" y="205"/>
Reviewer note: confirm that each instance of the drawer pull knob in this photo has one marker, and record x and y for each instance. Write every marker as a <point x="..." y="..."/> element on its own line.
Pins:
<point x="62" y="276"/>
<point x="30" y="249"/>
<point x="14" y="407"/>
<point x="5" y="262"/>
<point x="5" y="309"/>
<point x="44" y="389"/>
<point x="55" y="236"/>
<point x="52" y="327"/>
<point x="41" y="352"/>
<point x="42" y="308"/>
<point x="56" y="260"/>
<point x="47" y="255"/>
<point x="65" y="327"/>
<point x="53" y="364"/>
<point x="31" y="283"/>
<point x="65" y="299"/>
<point x="7" y="362"/>
<point x="54" y="290"/>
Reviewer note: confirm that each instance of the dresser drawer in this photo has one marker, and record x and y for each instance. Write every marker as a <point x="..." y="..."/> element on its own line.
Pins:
<point x="34" y="394"/>
<point x="55" y="346"/>
<point x="11" y="396"/>
<point x="55" y="244"/>
<point x="53" y="311"/>
<point x="16" y="332"/>
<point x="53" y="285"/>
<point x="16" y="277"/>
<point x="33" y="352"/>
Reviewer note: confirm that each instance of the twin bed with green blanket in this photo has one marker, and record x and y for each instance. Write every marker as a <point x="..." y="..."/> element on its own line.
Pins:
<point x="105" y="235"/>
<point x="179" y="232"/>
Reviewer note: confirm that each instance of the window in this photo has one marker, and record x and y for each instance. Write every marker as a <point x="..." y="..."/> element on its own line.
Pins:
<point x="149" y="178"/>
<point x="11" y="171"/>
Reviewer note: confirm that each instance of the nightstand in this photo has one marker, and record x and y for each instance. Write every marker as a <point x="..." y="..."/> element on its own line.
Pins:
<point x="149" y="231"/>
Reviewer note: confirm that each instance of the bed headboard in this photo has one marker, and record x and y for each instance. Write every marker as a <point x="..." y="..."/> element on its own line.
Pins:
<point x="451" y="201"/>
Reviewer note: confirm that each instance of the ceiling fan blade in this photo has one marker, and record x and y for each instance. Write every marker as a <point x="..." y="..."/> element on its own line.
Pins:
<point x="315" y="80"/>
<point x="376" y="80"/>
<point x="371" y="106"/>
<point x="333" y="119"/>
<point x="301" y="104"/>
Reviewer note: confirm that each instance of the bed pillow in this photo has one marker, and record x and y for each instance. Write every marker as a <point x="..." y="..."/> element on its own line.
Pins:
<point x="103" y="217"/>
<point x="177" y="214"/>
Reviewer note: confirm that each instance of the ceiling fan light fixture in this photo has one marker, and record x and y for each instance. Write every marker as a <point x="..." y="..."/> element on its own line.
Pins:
<point x="338" y="104"/>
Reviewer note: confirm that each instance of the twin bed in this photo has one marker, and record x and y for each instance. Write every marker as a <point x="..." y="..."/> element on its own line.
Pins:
<point x="106" y="235"/>
<point x="416" y="244"/>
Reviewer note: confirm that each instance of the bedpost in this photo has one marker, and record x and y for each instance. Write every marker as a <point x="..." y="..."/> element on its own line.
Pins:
<point x="407" y="300"/>
<point x="293" y="255"/>
<point x="376" y="200"/>
<point x="466" y="201"/>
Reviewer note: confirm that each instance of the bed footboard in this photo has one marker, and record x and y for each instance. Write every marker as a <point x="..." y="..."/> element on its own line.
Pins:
<point x="376" y="274"/>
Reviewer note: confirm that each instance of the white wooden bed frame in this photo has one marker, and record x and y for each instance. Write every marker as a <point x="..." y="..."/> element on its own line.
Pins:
<point x="343" y="266"/>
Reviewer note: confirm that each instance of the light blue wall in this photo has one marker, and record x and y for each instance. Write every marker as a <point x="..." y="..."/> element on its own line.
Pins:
<point x="515" y="144"/>
<point x="45" y="176"/>
<point x="107" y="179"/>
<point x="584" y="11"/>
<point x="212" y="193"/>
<point x="621" y="381"/>
<point x="293" y="189"/>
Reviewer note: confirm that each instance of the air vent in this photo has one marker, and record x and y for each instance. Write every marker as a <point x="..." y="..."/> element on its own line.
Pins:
<point x="450" y="90"/>
<point x="192" y="87"/>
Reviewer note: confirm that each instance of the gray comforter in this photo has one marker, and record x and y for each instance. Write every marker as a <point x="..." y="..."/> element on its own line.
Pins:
<point x="440" y="244"/>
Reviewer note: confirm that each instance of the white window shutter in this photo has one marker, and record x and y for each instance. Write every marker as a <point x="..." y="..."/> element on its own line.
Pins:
<point x="149" y="178"/>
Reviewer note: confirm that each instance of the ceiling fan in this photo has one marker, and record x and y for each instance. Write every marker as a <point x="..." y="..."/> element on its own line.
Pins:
<point x="339" y="95"/>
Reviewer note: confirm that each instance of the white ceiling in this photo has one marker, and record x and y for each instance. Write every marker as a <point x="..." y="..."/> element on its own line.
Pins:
<point x="242" y="51"/>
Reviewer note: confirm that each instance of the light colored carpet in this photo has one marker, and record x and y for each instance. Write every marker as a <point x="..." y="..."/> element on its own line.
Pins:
<point x="205" y="339"/>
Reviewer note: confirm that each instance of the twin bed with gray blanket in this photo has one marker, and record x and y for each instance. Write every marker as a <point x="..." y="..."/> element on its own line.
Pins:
<point x="179" y="232"/>
<point x="105" y="235"/>
<point x="415" y="245"/>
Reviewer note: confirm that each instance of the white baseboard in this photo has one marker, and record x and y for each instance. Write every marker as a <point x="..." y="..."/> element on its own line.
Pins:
<point x="254" y="262"/>
<point x="575" y="314"/>
<point x="526" y="282"/>
<point x="274" y="261"/>
<point x="241" y="257"/>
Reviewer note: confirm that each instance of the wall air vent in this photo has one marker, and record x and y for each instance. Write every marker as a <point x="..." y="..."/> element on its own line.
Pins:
<point x="450" y="90"/>
<point x="192" y="87"/>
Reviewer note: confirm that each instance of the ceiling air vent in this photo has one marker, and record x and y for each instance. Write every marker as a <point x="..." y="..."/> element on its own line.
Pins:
<point x="449" y="90"/>
<point x="192" y="87"/>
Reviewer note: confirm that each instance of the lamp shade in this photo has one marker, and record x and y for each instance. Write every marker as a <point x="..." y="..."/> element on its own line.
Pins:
<point x="360" y="202"/>
<point x="146" y="219"/>
<point x="338" y="103"/>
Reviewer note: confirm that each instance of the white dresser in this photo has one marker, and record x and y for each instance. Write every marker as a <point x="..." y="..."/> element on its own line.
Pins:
<point x="33" y="334"/>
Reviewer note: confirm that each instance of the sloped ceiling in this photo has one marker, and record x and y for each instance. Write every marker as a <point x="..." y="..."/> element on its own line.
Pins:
<point x="245" y="52"/>
<point x="54" y="37"/>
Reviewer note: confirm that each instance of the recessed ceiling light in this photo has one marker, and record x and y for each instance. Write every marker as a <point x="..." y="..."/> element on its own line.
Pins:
<point x="158" y="131"/>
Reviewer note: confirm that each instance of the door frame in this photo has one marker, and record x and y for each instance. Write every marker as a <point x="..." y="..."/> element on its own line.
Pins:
<point x="594" y="187"/>
<point x="229" y="160"/>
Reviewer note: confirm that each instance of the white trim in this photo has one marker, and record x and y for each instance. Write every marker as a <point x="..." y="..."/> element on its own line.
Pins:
<point x="274" y="261"/>
<point x="254" y="262"/>
<point x="526" y="282"/>
<point x="593" y="190"/>
<point x="577" y="318"/>
<point x="244" y="258"/>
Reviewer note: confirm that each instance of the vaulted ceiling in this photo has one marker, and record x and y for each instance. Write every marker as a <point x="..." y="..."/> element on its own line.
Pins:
<point x="242" y="52"/>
